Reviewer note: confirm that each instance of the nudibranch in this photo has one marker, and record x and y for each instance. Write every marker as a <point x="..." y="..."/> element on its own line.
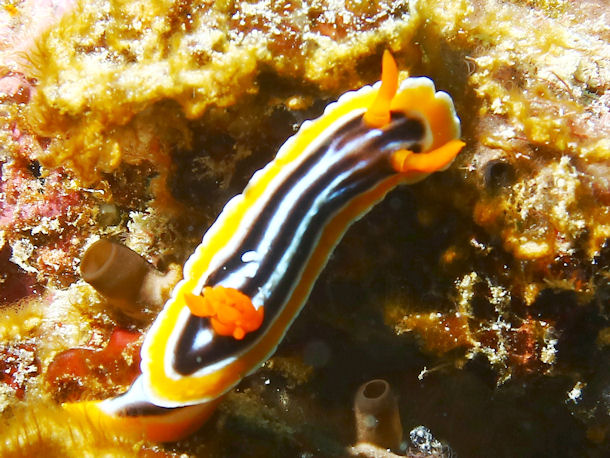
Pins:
<point x="255" y="267"/>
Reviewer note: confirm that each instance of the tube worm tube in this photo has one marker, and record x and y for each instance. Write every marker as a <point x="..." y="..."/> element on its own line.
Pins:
<point x="377" y="416"/>
<point x="122" y="275"/>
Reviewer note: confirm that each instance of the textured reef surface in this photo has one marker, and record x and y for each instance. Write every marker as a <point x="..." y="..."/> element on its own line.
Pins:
<point x="481" y="294"/>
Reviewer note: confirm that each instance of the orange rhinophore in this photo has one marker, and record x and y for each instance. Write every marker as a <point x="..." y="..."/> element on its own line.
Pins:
<point x="378" y="114"/>
<point x="407" y="161"/>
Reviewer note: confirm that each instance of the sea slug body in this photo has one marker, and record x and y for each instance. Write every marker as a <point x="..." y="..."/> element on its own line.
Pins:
<point x="252" y="273"/>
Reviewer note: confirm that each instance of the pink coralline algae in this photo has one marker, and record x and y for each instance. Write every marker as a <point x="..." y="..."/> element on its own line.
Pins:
<point x="27" y="200"/>
<point x="18" y="363"/>
<point x="42" y="219"/>
<point x="15" y="87"/>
